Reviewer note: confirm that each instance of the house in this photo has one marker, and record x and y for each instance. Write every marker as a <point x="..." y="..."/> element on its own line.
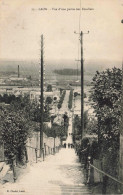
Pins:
<point x="35" y="95"/>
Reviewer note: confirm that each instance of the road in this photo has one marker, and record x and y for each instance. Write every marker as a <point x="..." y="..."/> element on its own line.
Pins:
<point x="63" y="109"/>
<point x="59" y="118"/>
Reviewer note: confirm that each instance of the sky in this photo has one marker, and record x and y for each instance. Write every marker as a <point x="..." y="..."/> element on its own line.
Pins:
<point x="23" y="22"/>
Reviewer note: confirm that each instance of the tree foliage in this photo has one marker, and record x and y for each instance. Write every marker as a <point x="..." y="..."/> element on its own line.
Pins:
<point x="49" y="100"/>
<point x="18" y="120"/>
<point x="7" y="98"/>
<point x="14" y="131"/>
<point x="61" y="99"/>
<point x="70" y="99"/>
<point x="49" y="88"/>
<point x="106" y="95"/>
<point x="77" y="125"/>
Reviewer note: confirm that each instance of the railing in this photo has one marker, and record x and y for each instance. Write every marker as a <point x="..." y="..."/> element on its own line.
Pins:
<point x="44" y="152"/>
<point x="36" y="156"/>
<point x="48" y="150"/>
<point x="100" y="171"/>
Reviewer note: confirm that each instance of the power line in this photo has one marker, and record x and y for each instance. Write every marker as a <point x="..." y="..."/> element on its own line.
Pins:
<point x="79" y="42"/>
<point x="80" y="16"/>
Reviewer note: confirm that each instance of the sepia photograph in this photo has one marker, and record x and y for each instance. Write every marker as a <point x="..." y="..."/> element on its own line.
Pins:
<point x="61" y="97"/>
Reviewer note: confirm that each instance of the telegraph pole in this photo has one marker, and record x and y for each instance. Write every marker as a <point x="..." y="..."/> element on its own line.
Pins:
<point x="121" y="135"/>
<point x="121" y="138"/>
<point x="82" y="84"/>
<point x="41" y="97"/>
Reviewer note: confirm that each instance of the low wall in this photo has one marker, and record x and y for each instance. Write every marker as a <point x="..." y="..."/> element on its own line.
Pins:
<point x="34" y="142"/>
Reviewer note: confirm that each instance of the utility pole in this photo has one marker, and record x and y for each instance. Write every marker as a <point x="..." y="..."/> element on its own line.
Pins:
<point x="121" y="138"/>
<point x="82" y="84"/>
<point x="121" y="135"/>
<point x="41" y="97"/>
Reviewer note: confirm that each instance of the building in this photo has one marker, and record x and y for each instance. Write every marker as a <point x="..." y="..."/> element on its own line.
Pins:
<point x="35" y="95"/>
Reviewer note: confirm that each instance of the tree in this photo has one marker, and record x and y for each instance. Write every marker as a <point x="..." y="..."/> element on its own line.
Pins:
<point x="14" y="131"/>
<point x="61" y="99"/>
<point x="49" y="88"/>
<point x="70" y="99"/>
<point x="106" y="96"/>
<point x="7" y="98"/>
<point x="59" y="105"/>
<point x="18" y="121"/>
<point x="31" y="110"/>
<point x="49" y="100"/>
<point x="91" y="126"/>
<point x="77" y="125"/>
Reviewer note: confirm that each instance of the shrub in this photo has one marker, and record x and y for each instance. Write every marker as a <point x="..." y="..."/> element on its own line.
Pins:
<point x="70" y="99"/>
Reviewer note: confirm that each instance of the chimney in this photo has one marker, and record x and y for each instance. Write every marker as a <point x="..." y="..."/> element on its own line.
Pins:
<point x="18" y="72"/>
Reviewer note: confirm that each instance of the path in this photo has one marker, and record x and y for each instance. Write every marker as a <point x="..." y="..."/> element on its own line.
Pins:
<point x="57" y="175"/>
<point x="69" y="139"/>
<point x="63" y="109"/>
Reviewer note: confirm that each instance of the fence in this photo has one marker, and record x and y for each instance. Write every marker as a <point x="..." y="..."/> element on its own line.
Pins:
<point x="106" y="175"/>
<point x="32" y="150"/>
<point x="50" y="146"/>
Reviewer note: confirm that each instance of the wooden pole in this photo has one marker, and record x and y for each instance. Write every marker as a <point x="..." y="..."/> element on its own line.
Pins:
<point x="41" y="98"/>
<point x="121" y="138"/>
<point x="82" y="84"/>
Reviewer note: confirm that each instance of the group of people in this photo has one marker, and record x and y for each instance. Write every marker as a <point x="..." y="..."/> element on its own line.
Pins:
<point x="69" y="145"/>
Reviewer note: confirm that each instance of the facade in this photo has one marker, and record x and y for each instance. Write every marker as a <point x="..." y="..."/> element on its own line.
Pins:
<point x="35" y="95"/>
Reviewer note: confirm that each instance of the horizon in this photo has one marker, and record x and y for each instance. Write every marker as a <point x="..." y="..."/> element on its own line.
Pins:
<point x="89" y="65"/>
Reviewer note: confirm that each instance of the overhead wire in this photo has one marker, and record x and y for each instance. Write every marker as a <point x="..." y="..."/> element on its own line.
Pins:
<point x="78" y="60"/>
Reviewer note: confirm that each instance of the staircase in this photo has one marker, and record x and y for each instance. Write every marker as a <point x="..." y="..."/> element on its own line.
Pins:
<point x="64" y="189"/>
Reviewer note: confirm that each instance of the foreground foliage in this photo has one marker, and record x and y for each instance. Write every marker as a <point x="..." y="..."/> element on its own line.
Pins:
<point x="106" y="96"/>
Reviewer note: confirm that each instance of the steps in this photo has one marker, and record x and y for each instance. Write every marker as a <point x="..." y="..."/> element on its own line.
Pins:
<point x="65" y="190"/>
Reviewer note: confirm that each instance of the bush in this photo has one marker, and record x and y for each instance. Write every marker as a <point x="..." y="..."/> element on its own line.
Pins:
<point x="61" y="99"/>
<point x="14" y="131"/>
<point x="106" y="96"/>
<point x="49" y="100"/>
<point x="49" y="88"/>
<point x="70" y="99"/>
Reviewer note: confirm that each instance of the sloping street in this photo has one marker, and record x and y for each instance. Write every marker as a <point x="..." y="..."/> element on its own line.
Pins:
<point x="58" y="174"/>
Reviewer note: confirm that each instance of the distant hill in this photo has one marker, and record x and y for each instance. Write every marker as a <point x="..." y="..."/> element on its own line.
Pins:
<point x="31" y="67"/>
<point x="68" y="71"/>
